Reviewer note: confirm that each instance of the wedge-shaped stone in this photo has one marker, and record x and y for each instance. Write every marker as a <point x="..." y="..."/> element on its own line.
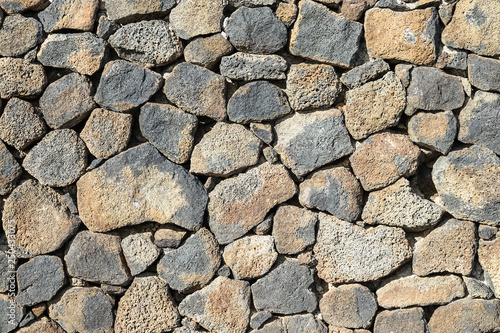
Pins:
<point x="10" y="170"/>
<point x="489" y="258"/>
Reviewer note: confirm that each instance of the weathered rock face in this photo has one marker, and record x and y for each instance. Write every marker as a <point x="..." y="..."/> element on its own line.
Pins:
<point x="15" y="312"/>
<point x="18" y="35"/>
<point x="366" y="72"/>
<point x="208" y="51"/>
<point x="19" y="6"/>
<point x="42" y="325"/>
<point x="191" y="18"/>
<point x="436" y="131"/>
<point x="124" y="11"/>
<point x="294" y="229"/>
<point x="489" y="258"/>
<point x="69" y="14"/>
<point x="10" y="170"/>
<point x="19" y="78"/>
<point x="249" y="67"/>
<point x="139" y="252"/>
<point x="484" y="73"/>
<point x="403" y="320"/>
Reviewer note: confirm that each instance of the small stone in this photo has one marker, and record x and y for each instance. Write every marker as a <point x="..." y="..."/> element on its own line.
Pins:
<point x="146" y="307"/>
<point x="403" y="320"/>
<point x="69" y="14"/>
<point x="265" y="227"/>
<point x="320" y="34"/>
<point x="260" y="189"/>
<point x="20" y="78"/>
<point x="286" y="13"/>
<point x="59" y="159"/>
<point x="147" y="43"/>
<point x="274" y="326"/>
<point x="10" y="170"/>
<point x="402" y="35"/>
<point x="420" y="291"/>
<point x="210" y="306"/>
<point x="191" y="18"/>
<point x="484" y="73"/>
<point x="124" y="11"/>
<point x="197" y="90"/>
<point x="436" y="131"/>
<point x="403" y="72"/>
<point x="383" y="158"/>
<point x="304" y="323"/>
<point x="208" y="51"/>
<point x="355" y="9"/>
<point x="38" y="310"/>
<point x="13" y="314"/>
<point x="67" y="101"/>
<point x="259" y="318"/>
<point x="83" y="310"/>
<point x="452" y="59"/>
<point x="487" y="232"/>
<point x="97" y="258"/>
<point x="224" y="271"/>
<point x="225" y="150"/>
<point x="285" y="289"/>
<point x="477" y="289"/>
<point x="349" y="253"/>
<point x="117" y="90"/>
<point x="311" y="86"/>
<point x="307" y="141"/>
<point x="250" y="3"/>
<point x="250" y="257"/>
<point x="106" y="27"/>
<point x="489" y="258"/>
<point x="39" y="280"/>
<point x="192" y="265"/>
<point x="334" y="190"/>
<point x="169" y="236"/>
<point x="7" y="267"/>
<point x="468" y="199"/>
<point x="81" y="52"/>
<point x="139" y="251"/>
<point x="262" y="131"/>
<point x="43" y="324"/>
<point x="368" y="71"/>
<point x="270" y="155"/>
<point x="19" y="6"/>
<point x="249" y="67"/>
<point x="294" y="229"/>
<point x="156" y="120"/>
<point x="18" y="35"/>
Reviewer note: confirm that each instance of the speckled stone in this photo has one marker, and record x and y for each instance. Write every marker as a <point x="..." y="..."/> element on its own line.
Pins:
<point x="489" y="258"/>
<point x="410" y="320"/>
<point x="436" y="131"/>
<point x="191" y="18"/>
<point x="249" y="67"/>
<point x="139" y="252"/>
<point x="294" y="229"/>
<point x="10" y="170"/>
<point x="125" y="11"/>
<point x="18" y="35"/>
<point x="69" y="14"/>
<point x="20" y="78"/>
<point x="208" y="51"/>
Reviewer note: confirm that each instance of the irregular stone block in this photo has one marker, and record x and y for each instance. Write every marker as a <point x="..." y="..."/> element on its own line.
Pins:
<point x="294" y="229"/>
<point x="15" y="314"/>
<point x="208" y="51"/>
<point x="20" y="78"/>
<point x="139" y="252"/>
<point x="19" y="6"/>
<point x="436" y="131"/>
<point x="249" y="67"/>
<point x="69" y="14"/>
<point x="489" y="258"/>
<point x="44" y="324"/>
<point x="402" y="320"/>
<point x="10" y="170"/>
<point x="124" y="11"/>
<point x="368" y="71"/>
<point x="484" y="73"/>
<point x="191" y="18"/>
<point x="18" y="35"/>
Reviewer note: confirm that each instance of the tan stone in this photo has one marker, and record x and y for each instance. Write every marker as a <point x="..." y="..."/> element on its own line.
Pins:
<point x="436" y="131"/>
<point x="18" y="6"/>
<point x="44" y="325"/>
<point x="294" y="229"/>
<point x="21" y="78"/>
<point x="287" y="13"/>
<point x="69" y="14"/>
<point x="355" y="9"/>
<point x="489" y="258"/>
<point x="410" y="320"/>
<point x="191" y="18"/>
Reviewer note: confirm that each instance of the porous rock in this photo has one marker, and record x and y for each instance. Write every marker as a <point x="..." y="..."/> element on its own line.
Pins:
<point x="249" y="67"/>
<point x="18" y="35"/>
<point x="139" y="252"/>
<point x="368" y="71"/>
<point x="20" y="78"/>
<point x="489" y="258"/>
<point x="436" y="131"/>
<point x="13" y="314"/>
<point x="410" y="320"/>
<point x="10" y="170"/>
<point x="484" y="73"/>
<point x="69" y="14"/>
<point x="125" y="11"/>
<point x="208" y="51"/>
<point x="294" y="229"/>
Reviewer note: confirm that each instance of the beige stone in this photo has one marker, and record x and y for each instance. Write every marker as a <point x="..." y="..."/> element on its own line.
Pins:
<point x="489" y="258"/>
<point x="44" y="325"/>
<point x="294" y="229"/>
<point x="191" y="18"/>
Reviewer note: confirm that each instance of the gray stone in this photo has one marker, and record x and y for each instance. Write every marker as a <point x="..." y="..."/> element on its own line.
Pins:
<point x="262" y="131"/>
<point x="484" y="73"/>
<point x="19" y="6"/>
<point x="69" y="14"/>
<point x="477" y="289"/>
<point x="13" y="314"/>
<point x="117" y="89"/>
<point x="169" y="236"/>
<point x="249" y="67"/>
<point x="250" y="3"/>
<point x="208" y="51"/>
<point x="355" y="9"/>
<point x="256" y="30"/>
<point x="43" y="324"/>
<point x="224" y="271"/>
<point x="124" y="11"/>
<point x="191" y="18"/>
<point x="18" y="35"/>
<point x="27" y="319"/>
<point x="270" y="155"/>
<point x="489" y="258"/>
<point x="403" y="72"/>
<point x="452" y="59"/>
<point x="322" y="35"/>
<point x="20" y="78"/>
<point x="294" y="229"/>
<point x="368" y="71"/>
<point x="139" y="252"/>
<point x="402" y="320"/>
<point x="7" y="269"/>
<point x="106" y="27"/>
<point x="304" y="323"/>
<point x="436" y="131"/>
<point x="259" y="318"/>
<point x="264" y="227"/>
<point x="285" y="289"/>
<point x="10" y="170"/>
<point x="487" y="232"/>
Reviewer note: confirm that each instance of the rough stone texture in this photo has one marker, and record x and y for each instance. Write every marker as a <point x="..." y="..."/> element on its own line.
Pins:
<point x="193" y="264"/>
<point x="383" y="158"/>
<point x="461" y="179"/>
<point x="249" y="67"/>
<point x="146" y="307"/>
<point x="397" y="205"/>
<point x="489" y="258"/>
<point x="311" y="86"/>
<point x="479" y="121"/>
<point x="374" y="106"/>
<point x="81" y="52"/>
<point x="403" y="320"/>
<point x="20" y="78"/>
<point x="410" y="36"/>
<point x="67" y="101"/>
<point x="484" y="73"/>
<point x="83" y="310"/>
<point x="351" y="306"/>
<point x="7" y="267"/>
<point x="191" y="18"/>
<point x="43" y="324"/>
<point x="208" y="51"/>
<point x="15" y="314"/>
<point x="259" y="318"/>
<point x="59" y="159"/>
<point x="452" y="59"/>
<point x="10" y="170"/>
<point x="238" y="204"/>
<point x="256" y="30"/>
<point x="487" y="232"/>
<point x="197" y="90"/>
<point x="121" y="192"/>
<point x="294" y="229"/>
<point x="156" y="120"/>
<point x="97" y="258"/>
<point x="305" y="323"/>
<point x="355" y="9"/>
<point x="286" y="12"/>
<point x="250" y="3"/>
<point x="307" y="141"/>
<point x="436" y="131"/>
<point x="106" y="133"/>
<point x="322" y="35"/>
<point x="18" y="35"/>
<point x="223" y="306"/>
<point x="474" y="27"/>
<point x="285" y="289"/>
<point x="262" y="131"/>
<point x="349" y="253"/>
<point x="420" y="291"/>
<point x="19" y="6"/>
<point x="124" y="11"/>
<point x="39" y="280"/>
<point x="139" y="252"/>
<point x="225" y="150"/>
<point x="147" y="43"/>
<point x="69" y="14"/>
<point x="368" y="71"/>
<point x="106" y="27"/>
<point x="117" y="90"/>
<point x="169" y="236"/>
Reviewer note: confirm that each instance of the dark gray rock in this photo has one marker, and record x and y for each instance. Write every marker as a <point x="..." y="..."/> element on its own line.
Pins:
<point x="262" y="131"/>
<point x="249" y="67"/>
<point x="366" y="72"/>
<point x="207" y="51"/>
<point x="191" y="18"/>
<point x="484" y="73"/>
<point x="452" y="59"/>
<point x="106" y="27"/>
<point x="10" y="170"/>
<point x="18" y="35"/>
<point x="402" y="320"/>
<point x="305" y="323"/>
<point x="487" y="232"/>
<point x="29" y="317"/>
<point x="259" y="318"/>
<point x="125" y="11"/>
<point x="21" y="78"/>
<point x="69" y="14"/>
<point x="13" y="314"/>
<point x="264" y="227"/>
<point x="256" y="30"/>
<point x="19" y="6"/>
<point x="7" y="269"/>
<point x="436" y="131"/>
<point x="477" y="289"/>
<point x="250" y="3"/>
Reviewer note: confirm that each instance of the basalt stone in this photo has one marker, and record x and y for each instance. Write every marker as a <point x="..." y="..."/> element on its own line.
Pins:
<point x="139" y="252"/>
<point x="18" y="35"/>
<point x="20" y="78"/>
<point x="452" y="59"/>
<point x="294" y="229"/>
<point x="436" y="131"/>
<point x="304" y="323"/>
<point x="43" y="324"/>
<point x="19" y="6"/>
<point x="250" y="3"/>
<point x="286" y="12"/>
<point x="249" y="67"/>
<point x="10" y="170"/>
<point x="124" y="11"/>
<point x="486" y="232"/>
<point x="106" y="27"/>
<point x="322" y="35"/>
<point x="117" y="89"/>
<point x="262" y="131"/>
<point x="489" y="258"/>
<point x="13" y="314"/>
<point x="256" y="30"/>
<point x="208" y="51"/>
<point x="169" y="236"/>
<point x="368" y="71"/>
<point x="69" y="14"/>
<point x="259" y="318"/>
<point x="410" y="320"/>
<point x="484" y="73"/>
<point x="191" y="18"/>
<point x="355" y="9"/>
<point x="7" y="268"/>
<point x="119" y="193"/>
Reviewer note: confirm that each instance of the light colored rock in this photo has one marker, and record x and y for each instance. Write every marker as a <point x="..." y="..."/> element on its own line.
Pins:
<point x="139" y="252"/>
<point x="43" y="324"/>
<point x="191" y="18"/>
<point x="410" y="320"/>
<point x="18" y="35"/>
<point x="124" y="11"/>
<point x="208" y="51"/>
<point x="21" y="78"/>
<point x="368" y="71"/>
<point x="294" y="229"/>
<point x="10" y="170"/>
<point x="489" y="258"/>
<point x="69" y="14"/>
<point x="436" y="131"/>
<point x="249" y="67"/>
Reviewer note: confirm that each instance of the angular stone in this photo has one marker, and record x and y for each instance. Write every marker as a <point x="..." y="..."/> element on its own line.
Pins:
<point x="452" y="59"/>
<point x="192" y="265"/>
<point x="351" y="305"/>
<point x="124" y="11"/>
<point x="461" y="178"/>
<point x="256" y="30"/>
<point x="207" y="51"/>
<point x="139" y="251"/>
<point x="334" y="190"/>
<point x="13" y="314"/>
<point x="7" y="267"/>
<point x="349" y="253"/>
<point x="479" y="121"/>
<point x="83" y="310"/>
<point x="225" y="150"/>
<point x="484" y="73"/>
<point x="307" y="141"/>
<point x="262" y="131"/>
<point x="147" y="43"/>
<point x="368" y="71"/>
<point x="487" y="232"/>
<point x="305" y="323"/>
<point x="106" y="27"/>
<point x="43" y="324"/>
<point x="285" y="289"/>
<point x="117" y="90"/>
<point x="147" y="307"/>
<point x="169" y="236"/>
<point x="286" y="12"/>
<point x="402" y="320"/>
<point x="238" y="204"/>
<point x="320" y="34"/>
<point x="18" y="35"/>
<point x="489" y="258"/>
<point x="420" y="291"/>
<point x="39" y="280"/>
<point x="436" y="131"/>
<point x="250" y="3"/>
<point x="223" y="306"/>
<point x="259" y="318"/>
<point x="191" y="18"/>
<point x="294" y="229"/>
<point x="19" y="6"/>
<point x="20" y="78"/>
<point x="197" y="90"/>
<point x="355" y="9"/>
<point x="81" y="52"/>
<point x="374" y="106"/>
<point x="249" y="67"/>
<point x="69" y="14"/>
<point x="10" y="170"/>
